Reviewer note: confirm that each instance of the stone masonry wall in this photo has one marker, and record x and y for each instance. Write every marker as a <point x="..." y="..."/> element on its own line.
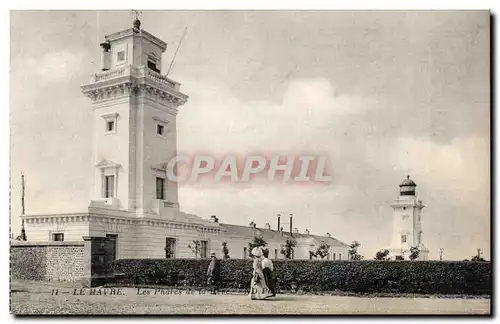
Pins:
<point x="65" y="263"/>
<point x="50" y="261"/>
<point x="28" y="262"/>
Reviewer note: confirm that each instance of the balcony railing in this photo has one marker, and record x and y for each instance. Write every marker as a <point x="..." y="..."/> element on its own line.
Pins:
<point x="161" y="79"/>
<point x="137" y="72"/>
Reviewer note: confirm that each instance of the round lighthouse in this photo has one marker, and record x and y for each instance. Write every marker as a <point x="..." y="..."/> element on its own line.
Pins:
<point x="407" y="223"/>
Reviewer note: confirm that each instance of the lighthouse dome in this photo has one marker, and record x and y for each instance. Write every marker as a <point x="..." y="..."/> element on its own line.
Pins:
<point x="407" y="187"/>
<point x="407" y="182"/>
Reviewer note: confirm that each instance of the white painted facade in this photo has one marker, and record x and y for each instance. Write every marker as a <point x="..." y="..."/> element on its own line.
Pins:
<point x="407" y="223"/>
<point x="131" y="101"/>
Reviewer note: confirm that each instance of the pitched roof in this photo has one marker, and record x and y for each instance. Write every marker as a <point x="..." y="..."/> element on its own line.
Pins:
<point x="249" y="232"/>
<point x="268" y="234"/>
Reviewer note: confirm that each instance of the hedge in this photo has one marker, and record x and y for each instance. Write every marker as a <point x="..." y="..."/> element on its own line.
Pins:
<point x="370" y="276"/>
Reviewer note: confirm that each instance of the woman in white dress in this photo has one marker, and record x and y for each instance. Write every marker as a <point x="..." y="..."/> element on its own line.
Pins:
<point x="258" y="288"/>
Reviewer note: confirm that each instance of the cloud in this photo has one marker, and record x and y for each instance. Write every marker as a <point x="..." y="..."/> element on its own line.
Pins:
<point x="460" y="168"/>
<point x="304" y="118"/>
<point x="56" y="67"/>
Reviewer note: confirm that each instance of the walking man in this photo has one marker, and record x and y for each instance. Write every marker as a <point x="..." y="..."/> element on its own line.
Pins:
<point x="268" y="270"/>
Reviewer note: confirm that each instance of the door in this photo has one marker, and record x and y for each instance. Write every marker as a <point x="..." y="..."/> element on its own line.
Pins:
<point x="112" y="238"/>
<point x="169" y="248"/>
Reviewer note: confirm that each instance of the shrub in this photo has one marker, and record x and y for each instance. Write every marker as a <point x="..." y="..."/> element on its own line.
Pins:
<point x="287" y="248"/>
<point x="225" y="251"/>
<point x="423" y="277"/>
<point x="256" y="242"/>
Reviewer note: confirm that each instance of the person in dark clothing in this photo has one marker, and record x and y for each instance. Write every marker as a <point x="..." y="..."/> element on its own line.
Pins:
<point x="213" y="274"/>
<point x="268" y="270"/>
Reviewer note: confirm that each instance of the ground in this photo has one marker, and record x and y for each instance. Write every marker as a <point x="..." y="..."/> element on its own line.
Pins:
<point x="39" y="298"/>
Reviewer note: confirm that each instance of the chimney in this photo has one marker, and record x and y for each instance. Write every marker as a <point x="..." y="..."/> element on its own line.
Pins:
<point x="306" y="231"/>
<point x="268" y="226"/>
<point x="328" y="234"/>
<point x="279" y="228"/>
<point x="291" y="223"/>
<point x="296" y="230"/>
<point x="105" y="56"/>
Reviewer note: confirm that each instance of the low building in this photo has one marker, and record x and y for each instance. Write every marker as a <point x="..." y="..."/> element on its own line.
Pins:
<point x="238" y="237"/>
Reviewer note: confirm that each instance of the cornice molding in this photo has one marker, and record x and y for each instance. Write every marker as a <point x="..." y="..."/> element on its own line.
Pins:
<point x="159" y="95"/>
<point x="55" y="218"/>
<point x="110" y="116"/>
<point x="98" y="218"/>
<point x="104" y="164"/>
<point x="141" y="90"/>
<point x="108" y="91"/>
<point x="161" y="120"/>
<point x="160" y="167"/>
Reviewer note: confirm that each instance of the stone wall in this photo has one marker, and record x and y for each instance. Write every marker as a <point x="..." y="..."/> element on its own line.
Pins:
<point x="50" y="261"/>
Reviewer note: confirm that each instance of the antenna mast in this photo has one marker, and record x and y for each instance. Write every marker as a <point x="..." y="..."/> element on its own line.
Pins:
<point x="177" y="50"/>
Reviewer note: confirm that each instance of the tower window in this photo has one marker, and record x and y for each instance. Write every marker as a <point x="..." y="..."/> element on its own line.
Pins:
<point x="161" y="126"/>
<point x="160" y="188"/>
<point x="152" y="66"/>
<point x="120" y="56"/>
<point x="160" y="129"/>
<point x="110" y="126"/>
<point x="110" y="122"/>
<point x="109" y="186"/>
<point x="403" y="238"/>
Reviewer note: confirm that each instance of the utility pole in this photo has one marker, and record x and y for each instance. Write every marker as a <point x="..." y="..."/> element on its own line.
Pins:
<point x="22" y="195"/>
<point x="23" y="230"/>
<point x="441" y="254"/>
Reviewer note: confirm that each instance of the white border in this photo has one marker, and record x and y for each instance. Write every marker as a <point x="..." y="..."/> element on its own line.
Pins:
<point x="189" y="4"/>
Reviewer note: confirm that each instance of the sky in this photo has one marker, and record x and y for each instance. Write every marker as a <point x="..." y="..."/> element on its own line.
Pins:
<point x="381" y="94"/>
